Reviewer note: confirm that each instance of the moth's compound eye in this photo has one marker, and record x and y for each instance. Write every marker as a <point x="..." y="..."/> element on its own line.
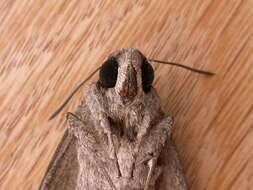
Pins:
<point x="108" y="73"/>
<point x="147" y="76"/>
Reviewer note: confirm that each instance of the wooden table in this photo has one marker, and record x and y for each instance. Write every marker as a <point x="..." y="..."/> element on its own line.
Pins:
<point x="48" y="47"/>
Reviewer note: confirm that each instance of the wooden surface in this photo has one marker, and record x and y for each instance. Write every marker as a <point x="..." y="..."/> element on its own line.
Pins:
<point x="48" y="47"/>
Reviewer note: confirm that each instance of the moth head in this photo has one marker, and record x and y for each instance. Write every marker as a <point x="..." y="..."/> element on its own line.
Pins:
<point x="128" y="72"/>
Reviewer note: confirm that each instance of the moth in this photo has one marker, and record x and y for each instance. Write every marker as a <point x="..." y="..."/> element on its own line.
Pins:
<point x="119" y="137"/>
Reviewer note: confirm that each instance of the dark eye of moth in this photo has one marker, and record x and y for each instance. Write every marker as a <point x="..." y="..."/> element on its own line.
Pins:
<point x="108" y="73"/>
<point x="147" y="72"/>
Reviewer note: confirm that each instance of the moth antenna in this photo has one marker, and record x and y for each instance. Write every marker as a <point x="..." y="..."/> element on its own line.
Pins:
<point x="183" y="66"/>
<point x="72" y="94"/>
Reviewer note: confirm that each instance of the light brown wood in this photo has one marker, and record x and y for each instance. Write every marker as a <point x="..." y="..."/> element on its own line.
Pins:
<point x="48" y="47"/>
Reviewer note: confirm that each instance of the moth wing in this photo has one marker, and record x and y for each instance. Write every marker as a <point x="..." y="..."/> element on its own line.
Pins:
<point x="172" y="174"/>
<point x="63" y="168"/>
<point x="95" y="166"/>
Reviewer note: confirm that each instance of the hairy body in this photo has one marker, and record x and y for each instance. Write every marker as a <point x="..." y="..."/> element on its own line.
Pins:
<point x="119" y="137"/>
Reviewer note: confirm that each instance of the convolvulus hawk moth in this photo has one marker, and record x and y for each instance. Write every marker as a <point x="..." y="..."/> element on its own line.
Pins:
<point x="119" y="137"/>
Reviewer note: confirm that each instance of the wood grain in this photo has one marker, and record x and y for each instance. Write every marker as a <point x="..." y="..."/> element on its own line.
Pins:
<point x="48" y="47"/>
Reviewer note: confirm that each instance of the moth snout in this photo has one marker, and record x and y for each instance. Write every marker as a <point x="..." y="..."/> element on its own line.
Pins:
<point x="128" y="87"/>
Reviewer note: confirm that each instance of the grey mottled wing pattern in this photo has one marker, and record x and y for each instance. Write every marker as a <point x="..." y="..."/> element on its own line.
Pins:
<point x="92" y="154"/>
<point x="172" y="176"/>
<point x="63" y="169"/>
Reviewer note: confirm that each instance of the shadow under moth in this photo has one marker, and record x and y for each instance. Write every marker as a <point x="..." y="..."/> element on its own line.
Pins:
<point x="118" y="138"/>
